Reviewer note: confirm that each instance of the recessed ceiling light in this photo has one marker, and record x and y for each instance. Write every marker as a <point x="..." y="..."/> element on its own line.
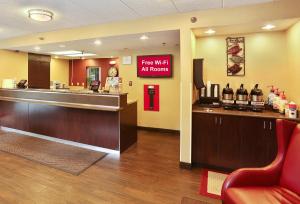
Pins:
<point x="40" y="15"/>
<point x="37" y="48"/>
<point x="62" y="46"/>
<point x="144" y="37"/>
<point x="268" y="27"/>
<point x="112" y="62"/>
<point x="210" y="31"/>
<point x="97" y="42"/>
<point x="66" y="52"/>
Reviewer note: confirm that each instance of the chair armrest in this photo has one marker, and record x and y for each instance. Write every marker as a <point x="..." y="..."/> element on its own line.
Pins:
<point x="265" y="176"/>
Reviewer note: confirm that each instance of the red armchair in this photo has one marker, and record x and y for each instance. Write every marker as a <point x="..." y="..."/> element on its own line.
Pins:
<point x="277" y="183"/>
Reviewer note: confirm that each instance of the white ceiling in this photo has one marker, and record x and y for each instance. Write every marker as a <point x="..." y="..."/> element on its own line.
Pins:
<point x="75" y="13"/>
<point x="113" y="46"/>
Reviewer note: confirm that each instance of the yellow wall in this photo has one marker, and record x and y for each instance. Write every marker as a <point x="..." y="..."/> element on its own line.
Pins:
<point x="168" y="115"/>
<point x="59" y="70"/>
<point x="266" y="61"/>
<point x="214" y="17"/>
<point x="293" y="44"/>
<point x="13" y="65"/>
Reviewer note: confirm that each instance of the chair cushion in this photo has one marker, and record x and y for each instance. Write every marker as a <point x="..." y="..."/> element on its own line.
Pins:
<point x="260" y="195"/>
<point x="290" y="178"/>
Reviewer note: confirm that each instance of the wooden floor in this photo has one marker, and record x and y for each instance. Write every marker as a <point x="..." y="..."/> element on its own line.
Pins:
<point x="148" y="172"/>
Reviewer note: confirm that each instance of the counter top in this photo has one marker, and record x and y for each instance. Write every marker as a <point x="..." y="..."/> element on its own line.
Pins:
<point x="66" y="98"/>
<point x="222" y="111"/>
<point x="67" y="91"/>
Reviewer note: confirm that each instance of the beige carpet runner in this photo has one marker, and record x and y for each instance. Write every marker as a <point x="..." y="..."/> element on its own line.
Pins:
<point x="67" y="158"/>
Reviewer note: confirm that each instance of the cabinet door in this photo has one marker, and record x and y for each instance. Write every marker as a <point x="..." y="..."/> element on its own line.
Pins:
<point x="271" y="141"/>
<point x="204" y="139"/>
<point x="229" y="142"/>
<point x="254" y="148"/>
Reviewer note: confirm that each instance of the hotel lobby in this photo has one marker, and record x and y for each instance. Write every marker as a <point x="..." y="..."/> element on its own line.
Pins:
<point x="150" y="101"/>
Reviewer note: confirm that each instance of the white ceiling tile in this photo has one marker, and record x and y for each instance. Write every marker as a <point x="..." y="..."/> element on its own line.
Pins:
<point x="234" y="3"/>
<point x="192" y="5"/>
<point x="14" y="19"/>
<point x="151" y="7"/>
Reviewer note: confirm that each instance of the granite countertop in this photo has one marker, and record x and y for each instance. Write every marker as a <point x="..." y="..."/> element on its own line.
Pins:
<point x="222" y="111"/>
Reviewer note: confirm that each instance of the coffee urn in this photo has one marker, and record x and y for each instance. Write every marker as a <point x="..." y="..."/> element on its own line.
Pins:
<point x="257" y="100"/>
<point x="242" y="98"/>
<point x="227" y="97"/>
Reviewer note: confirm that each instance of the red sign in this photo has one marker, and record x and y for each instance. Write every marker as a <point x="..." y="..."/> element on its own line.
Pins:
<point x="154" y="66"/>
<point x="151" y="97"/>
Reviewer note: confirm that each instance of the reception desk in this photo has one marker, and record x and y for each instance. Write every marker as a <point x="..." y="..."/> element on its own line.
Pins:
<point x="102" y="120"/>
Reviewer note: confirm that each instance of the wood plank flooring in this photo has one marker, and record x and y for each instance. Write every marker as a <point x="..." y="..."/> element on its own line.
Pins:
<point x="148" y="172"/>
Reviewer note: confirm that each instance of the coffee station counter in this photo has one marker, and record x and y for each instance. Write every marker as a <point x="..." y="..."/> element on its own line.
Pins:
<point x="232" y="139"/>
<point x="222" y="111"/>
<point x="98" y="119"/>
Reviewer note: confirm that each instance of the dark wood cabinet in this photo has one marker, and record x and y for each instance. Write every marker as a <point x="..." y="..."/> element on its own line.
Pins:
<point x="39" y="71"/>
<point x="207" y="142"/>
<point x="231" y="142"/>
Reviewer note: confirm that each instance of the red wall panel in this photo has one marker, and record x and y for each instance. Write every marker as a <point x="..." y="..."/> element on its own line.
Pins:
<point x="77" y="69"/>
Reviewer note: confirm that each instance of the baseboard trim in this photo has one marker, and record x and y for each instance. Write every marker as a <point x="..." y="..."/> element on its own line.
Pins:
<point x="162" y="130"/>
<point x="185" y="165"/>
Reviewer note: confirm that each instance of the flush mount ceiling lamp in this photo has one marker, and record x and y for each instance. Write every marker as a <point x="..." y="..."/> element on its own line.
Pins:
<point x="210" y="31"/>
<point x="40" y="15"/>
<point x="268" y="27"/>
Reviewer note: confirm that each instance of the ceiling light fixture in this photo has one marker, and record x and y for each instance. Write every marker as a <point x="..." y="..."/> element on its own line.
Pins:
<point x="268" y="27"/>
<point x="81" y="55"/>
<point x="210" y="32"/>
<point x="144" y="37"/>
<point x="97" y="42"/>
<point x="66" y="52"/>
<point x="37" y="48"/>
<point x="40" y="15"/>
<point x="112" y="62"/>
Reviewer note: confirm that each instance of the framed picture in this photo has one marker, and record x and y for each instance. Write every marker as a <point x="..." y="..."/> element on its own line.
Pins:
<point x="235" y="56"/>
<point x="155" y="66"/>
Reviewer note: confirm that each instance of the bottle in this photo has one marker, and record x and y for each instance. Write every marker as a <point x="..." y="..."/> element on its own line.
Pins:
<point x="282" y="102"/>
<point x="271" y="96"/>
<point x="276" y="100"/>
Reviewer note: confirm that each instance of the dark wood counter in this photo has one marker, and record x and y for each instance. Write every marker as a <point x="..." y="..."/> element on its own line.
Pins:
<point x="106" y="121"/>
<point x="231" y="139"/>
<point x="222" y="111"/>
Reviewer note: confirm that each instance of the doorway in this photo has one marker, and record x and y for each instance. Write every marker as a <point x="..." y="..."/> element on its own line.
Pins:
<point x="93" y="74"/>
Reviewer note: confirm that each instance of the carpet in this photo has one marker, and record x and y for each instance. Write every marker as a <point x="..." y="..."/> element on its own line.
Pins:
<point x="211" y="183"/>
<point x="64" y="157"/>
